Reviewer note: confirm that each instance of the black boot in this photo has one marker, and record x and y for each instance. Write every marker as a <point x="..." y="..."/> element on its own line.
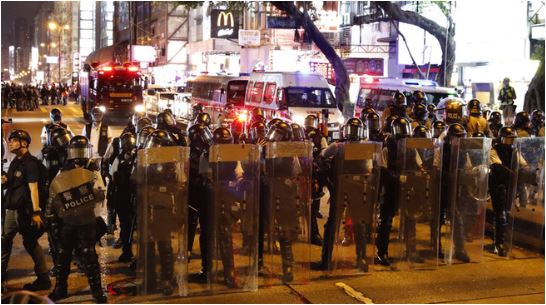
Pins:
<point x="287" y="261"/>
<point x="500" y="228"/>
<point x="41" y="283"/>
<point x="60" y="291"/>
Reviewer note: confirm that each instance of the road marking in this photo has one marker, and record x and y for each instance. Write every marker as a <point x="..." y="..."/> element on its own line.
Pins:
<point x="359" y="296"/>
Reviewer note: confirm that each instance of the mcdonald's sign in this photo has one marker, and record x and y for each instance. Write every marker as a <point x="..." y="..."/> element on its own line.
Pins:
<point x="224" y="24"/>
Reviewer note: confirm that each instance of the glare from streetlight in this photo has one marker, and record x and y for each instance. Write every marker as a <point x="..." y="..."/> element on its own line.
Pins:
<point x="53" y="45"/>
<point x="52" y="26"/>
<point x="42" y="44"/>
<point x="66" y="27"/>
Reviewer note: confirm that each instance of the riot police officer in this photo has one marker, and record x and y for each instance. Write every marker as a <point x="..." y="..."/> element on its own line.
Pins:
<point x="522" y="124"/>
<point x="200" y="139"/>
<point x="398" y="107"/>
<point x="475" y="121"/>
<point x="73" y="195"/>
<point x="196" y="110"/>
<point x="419" y="97"/>
<point x="142" y="136"/>
<point x="438" y="128"/>
<point x="374" y="127"/>
<point x="123" y="190"/>
<point x="420" y="116"/>
<point x="166" y="121"/>
<point x="495" y="123"/>
<point x="56" y="121"/>
<point x="203" y="118"/>
<point x="162" y="212"/>
<point x="354" y="131"/>
<point x="400" y="128"/>
<point x="537" y="121"/>
<point x="431" y="109"/>
<point x="500" y="181"/>
<point x="54" y="154"/>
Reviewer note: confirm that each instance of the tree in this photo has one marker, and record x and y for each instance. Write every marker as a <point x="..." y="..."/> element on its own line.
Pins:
<point x="394" y="13"/>
<point x="342" y="77"/>
<point x="534" y="98"/>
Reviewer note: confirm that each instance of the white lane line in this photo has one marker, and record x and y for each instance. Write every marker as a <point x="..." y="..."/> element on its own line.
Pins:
<point x="359" y="296"/>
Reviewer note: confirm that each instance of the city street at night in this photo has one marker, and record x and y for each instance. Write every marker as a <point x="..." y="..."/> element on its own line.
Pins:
<point x="273" y="152"/>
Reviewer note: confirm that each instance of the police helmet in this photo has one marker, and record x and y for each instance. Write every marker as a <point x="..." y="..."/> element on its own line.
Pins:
<point x="419" y="97"/>
<point x="222" y="135"/>
<point x="199" y="135"/>
<point x="79" y="148"/>
<point x="400" y="128"/>
<point x="258" y="114"/>
<point x="373" y="122"/>
<point x="273" y="122"/>
<point x="127" y="141"/>
<point x="136" y="117"/>
<point x="399" y="99"/>
<point x="97" y="114"/>
<point x="431" y="108"/>
<point x="507" y="135"/>
<point x="143" y="135"/>
<point x="59" y="137"/>
<point x="165" y="120"/>
<point x="438" y="127"/>
<point x="420" y="111"/>
<point x="537" y="118"/>
<point x="55" y="115"/>
<point x="354" y="130"/>
<point x="198" y="108"/>
<point x="474" y="107"/>
<point x="311" y="121"/>
<point x="456" y="130"/>
<point x="20" y="135"/>
<point x="522" y="120"/>
<point x="143" y="122"/>
<point x="365" y="112"/>
<point x="421" y="131"/>
<point x="281" y="131"/>
<point x="453" y="109"/>
<point x="159" y="138"/>
<point x="257" y="130"/>
<point x="203" y="118"/>
<point x="495" y="117"/>
<point x="298" y="134"/>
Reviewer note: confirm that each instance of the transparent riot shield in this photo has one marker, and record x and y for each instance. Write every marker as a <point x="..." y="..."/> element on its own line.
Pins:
<point x="416" y="246"/>
<point x="235" y="201"/>
<point x="527" y="211"/>
<point x="355" y="196"/>
<point x="162" y="177"/>
<point x="286" y="231"/>
<point x="468" y="194"/>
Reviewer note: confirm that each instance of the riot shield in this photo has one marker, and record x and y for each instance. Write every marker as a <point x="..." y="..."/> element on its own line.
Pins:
<point x="527" y="212"/>
<point x="235" y="201"/>
<point x="416" y="246"/>
<point x="162" y="178"/>
<point x="286" y="229"/>
<point x="355" y="196"/>
<point x="468" y="194"/>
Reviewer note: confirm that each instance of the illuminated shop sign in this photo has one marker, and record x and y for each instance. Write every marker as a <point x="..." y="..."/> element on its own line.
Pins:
<point x="224" y="24"/>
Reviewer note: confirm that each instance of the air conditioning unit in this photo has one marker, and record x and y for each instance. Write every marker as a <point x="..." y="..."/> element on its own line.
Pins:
<point x="332" y="37"/>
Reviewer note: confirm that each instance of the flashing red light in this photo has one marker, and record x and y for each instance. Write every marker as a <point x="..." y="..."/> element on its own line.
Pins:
<point x="106" y="68"/>
<point x="132" y="68"/>
<point x="242" y="116"/>
<point x="368" y="79"/>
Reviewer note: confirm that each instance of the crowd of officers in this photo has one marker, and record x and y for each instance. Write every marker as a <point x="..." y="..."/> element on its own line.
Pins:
<point x="79" y="167"/>
<point x="30" y="97"/>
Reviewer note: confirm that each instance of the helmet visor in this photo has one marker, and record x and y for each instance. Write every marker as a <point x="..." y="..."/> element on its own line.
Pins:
<point x="79" y="153"/>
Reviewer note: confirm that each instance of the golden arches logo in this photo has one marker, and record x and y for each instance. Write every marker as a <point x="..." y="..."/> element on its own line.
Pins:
<point x="227" y="18"/>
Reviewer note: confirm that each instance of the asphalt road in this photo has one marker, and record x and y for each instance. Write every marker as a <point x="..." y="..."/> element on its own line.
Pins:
<point x="519" y="279"/>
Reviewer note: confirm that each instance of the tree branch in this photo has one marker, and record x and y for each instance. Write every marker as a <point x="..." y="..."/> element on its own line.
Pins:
<point x="409" y="51"/>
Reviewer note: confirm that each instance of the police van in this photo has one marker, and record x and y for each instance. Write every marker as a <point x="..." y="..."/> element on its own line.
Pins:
<point x="293" y="96"/>
<point x="380" y="91"/>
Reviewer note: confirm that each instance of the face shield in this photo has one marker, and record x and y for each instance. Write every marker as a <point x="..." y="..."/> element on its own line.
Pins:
<point x="79" y="153"/>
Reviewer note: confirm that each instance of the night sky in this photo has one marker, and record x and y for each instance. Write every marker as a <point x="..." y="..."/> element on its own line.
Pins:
<point x="16" y="9"/>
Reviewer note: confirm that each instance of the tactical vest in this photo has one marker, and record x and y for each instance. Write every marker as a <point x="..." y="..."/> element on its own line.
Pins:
<point x="103" y="137"/>
<point x="73" y="195"/>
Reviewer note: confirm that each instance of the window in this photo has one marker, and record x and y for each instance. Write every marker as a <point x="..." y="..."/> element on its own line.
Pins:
<point x="310" y="97"/>
<point x="269" y="94"/>
<point x="249" y="90"/>
<point x="86" y="24"/>
<point x="86" y="15"/>
<point x="86" y="34"/>
<point x="257" y="92"/>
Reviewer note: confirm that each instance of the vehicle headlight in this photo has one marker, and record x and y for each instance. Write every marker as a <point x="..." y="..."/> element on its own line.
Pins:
<point x="298" y="119"/>
<point x="139" y="108"/>
<point x="102" y="108"/>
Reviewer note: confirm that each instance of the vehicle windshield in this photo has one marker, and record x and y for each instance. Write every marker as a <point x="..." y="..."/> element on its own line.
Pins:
<point x="167" y="96"/>
<point x="310" y="97"/>
<point x="236" y="92"/>
<point x="121" y="82"/>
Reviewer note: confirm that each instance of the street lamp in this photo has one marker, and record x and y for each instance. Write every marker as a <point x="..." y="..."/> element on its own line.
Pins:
<point x="54" y="26"/>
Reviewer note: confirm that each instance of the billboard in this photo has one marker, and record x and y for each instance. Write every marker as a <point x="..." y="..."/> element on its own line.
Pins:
<point x="52" y="60"/>
<point x="224" y="24"/>
<point x="249" y="38"/>
<point x="143" y="53"/>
